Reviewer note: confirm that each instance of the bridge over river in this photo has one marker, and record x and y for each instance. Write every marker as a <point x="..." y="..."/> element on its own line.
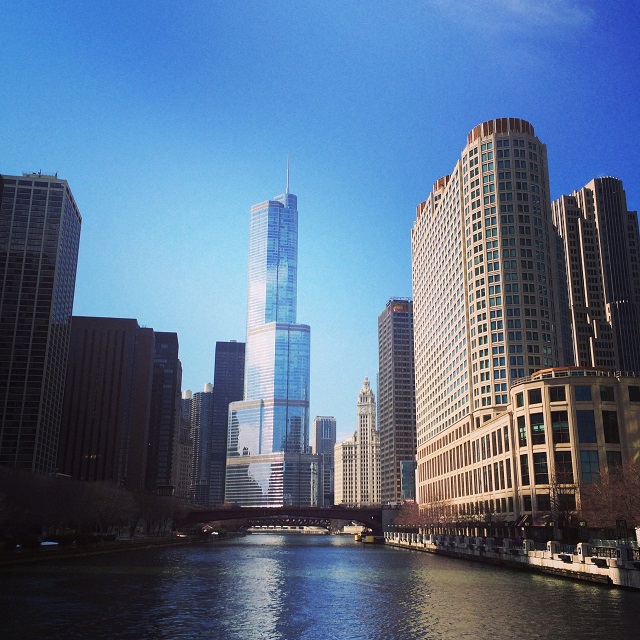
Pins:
<point x="371" y="517"/>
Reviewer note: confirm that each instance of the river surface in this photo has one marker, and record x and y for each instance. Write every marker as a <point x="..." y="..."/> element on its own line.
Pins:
<point x="281" y="587"/>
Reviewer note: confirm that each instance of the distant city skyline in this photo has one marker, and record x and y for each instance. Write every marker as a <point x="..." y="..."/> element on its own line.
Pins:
<point x="170" y="124"/>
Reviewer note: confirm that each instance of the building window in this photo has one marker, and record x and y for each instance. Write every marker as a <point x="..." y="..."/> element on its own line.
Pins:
<point x="524" y="469"/>
<point x="557" y="394"/>
<point x="522" y="431"/>
<point x="560" y="426"/>
<point x="606" y="394"/>
<point x="540" y="468"/>
<point x="519" y="399"/>
<point x="564" y="467"/>
<point x="634" y="394"/>
<point x="544" y="502"/>
<point x="583" y="392"/>
<point x="566" y="502"/>
<point x="614" y="461"/>
<point x="535" y="396"/>
<point x="586" y="426"/>
<point x="590" y="466"/>
<point x="537" y="428"/>
<point x="526" y="503"/>
<point x="610" y="427"/>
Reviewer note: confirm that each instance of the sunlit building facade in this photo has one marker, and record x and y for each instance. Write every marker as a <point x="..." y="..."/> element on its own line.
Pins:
<point x="485" y="290"/>
<point x="357" y="459"/>
<point x="525" y="469"/>
<point x="39" y="240"/>
<point x="268" y="457"/>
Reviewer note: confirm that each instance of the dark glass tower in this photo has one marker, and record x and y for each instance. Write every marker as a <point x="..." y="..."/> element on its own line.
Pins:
<point x="39" y="241"/>
<point x="268" y="461"/>
<point x="323" y="438"/>
<point x="201" y="426"/>
<point x="162" y="466"/>
<point x="228" y="386"/>
<point x="396" y="398"/>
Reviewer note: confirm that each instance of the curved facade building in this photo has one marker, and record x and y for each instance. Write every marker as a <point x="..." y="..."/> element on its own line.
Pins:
<point x="268" y="459"/>
<point x="485" y="286"/>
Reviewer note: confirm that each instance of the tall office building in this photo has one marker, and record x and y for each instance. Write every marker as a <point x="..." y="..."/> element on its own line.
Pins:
<point x="485" y="289"/>
<point x="39" y="240"/>
<point x="165" y="415"/>
<point x="107" y="402"/>
<point x="268" y="459"/>
<point x="357" y="459"/>
<point x="396" y="401"/>
<point x="201" y="424"/>
<point x="601" y="248"/>
<point x="228" y="387"/>
<point x="323" y="441"/>
<point x="183" y="450"/>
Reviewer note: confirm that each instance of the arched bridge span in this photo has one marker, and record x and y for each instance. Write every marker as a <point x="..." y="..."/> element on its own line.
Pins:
<point x="370" y="517"/>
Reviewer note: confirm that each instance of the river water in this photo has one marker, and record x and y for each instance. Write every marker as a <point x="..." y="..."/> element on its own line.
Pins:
<point x="281" y="587"/>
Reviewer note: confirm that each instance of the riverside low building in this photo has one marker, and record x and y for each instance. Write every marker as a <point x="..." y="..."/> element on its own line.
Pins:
<point x="525" y="467"/>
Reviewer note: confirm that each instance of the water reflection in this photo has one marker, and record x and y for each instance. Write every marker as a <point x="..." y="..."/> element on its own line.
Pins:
<point x="276" y="587"/>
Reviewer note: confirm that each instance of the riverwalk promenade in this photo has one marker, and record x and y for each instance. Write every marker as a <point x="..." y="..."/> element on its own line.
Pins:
<point x="617" y="566"/>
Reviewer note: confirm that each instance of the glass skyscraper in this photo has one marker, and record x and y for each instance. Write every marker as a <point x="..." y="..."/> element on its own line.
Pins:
<point x="268" y="457"/>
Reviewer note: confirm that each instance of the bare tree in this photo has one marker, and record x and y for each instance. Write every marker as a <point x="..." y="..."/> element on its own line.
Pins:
<point x="408" y="514"/>
<point x="613" y="496"/>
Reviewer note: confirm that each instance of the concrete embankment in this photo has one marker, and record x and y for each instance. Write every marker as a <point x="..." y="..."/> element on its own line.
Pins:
<point x="49" y="554"/>
<point x="614" y="566"/>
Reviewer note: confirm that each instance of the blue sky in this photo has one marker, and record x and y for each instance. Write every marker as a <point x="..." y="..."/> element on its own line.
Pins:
<point x="170" y="119"/>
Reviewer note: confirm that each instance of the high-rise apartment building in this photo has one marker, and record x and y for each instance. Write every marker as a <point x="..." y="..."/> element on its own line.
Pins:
<point x="228" y="387"/>
<point x="323" y="441"/>
<point x="201" y="424"/>
<point x="396" y="400"/>
<point x="485" y="290"/>
<point x="357" y="459"/>
<point x="268" y="459"/>
<point x="165" y="415"/>
<point x="39" y="239"/>
<point x="601" y="252"/>
<point x="107" y="402"/>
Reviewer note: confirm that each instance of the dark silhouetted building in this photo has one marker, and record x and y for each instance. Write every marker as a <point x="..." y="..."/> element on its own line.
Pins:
<point x="396" y="400"/>
<point x="162" y="465"/>
<point x="184" y="453"/>
<point x="323" y="441"/>
<point x="39" y="240"/>
<point x="601" y="253"/>
<point x="228" y="386"/>
<point x="107" y="401"/>
<point x="201" y="427"/>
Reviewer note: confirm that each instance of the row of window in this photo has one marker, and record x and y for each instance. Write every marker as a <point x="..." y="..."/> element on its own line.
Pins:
<point x="582" y="393"/>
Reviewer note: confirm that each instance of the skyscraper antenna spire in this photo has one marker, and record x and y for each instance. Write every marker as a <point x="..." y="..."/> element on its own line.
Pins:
<point x="287" y="174"/>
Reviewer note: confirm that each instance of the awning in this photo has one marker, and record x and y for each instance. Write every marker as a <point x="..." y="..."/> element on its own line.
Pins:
<point x="522" y="521"/>
<point x="544" y="520"/>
